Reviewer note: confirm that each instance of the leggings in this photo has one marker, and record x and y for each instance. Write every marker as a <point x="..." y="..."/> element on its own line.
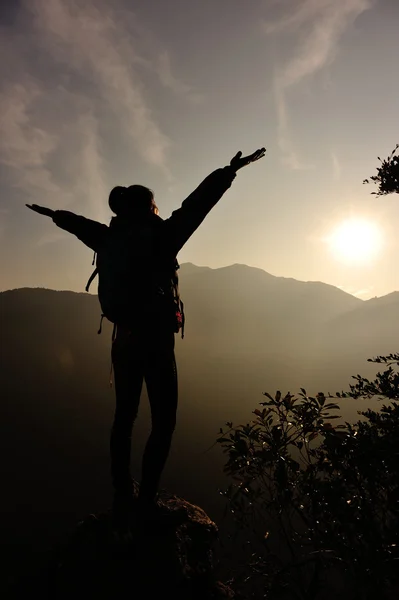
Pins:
<point x="135" y="358"/>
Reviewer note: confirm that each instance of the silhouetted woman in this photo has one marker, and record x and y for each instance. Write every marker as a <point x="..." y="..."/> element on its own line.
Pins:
<point x="143" y="347"/>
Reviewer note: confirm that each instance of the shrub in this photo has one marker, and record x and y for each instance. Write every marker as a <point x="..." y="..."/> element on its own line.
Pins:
<point x="319" y="501"/>
<point x="387" y="175"/>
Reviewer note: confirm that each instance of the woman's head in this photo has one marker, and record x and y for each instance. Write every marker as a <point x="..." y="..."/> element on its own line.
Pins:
<point x="133" y="201"/>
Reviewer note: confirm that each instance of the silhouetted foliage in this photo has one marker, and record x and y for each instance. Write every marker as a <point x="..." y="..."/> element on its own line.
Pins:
<point x="319" y="501"/>
<point x="386" y="384"/>
<point x="387" y="176"/>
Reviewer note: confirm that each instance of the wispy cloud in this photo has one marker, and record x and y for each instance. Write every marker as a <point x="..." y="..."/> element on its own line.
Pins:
<point x="364" y="293"/>
<point x="290" y="156"/>
<point x="317" y="27"/>
<point x="361" y="293"/>
<point x="91" y="164"/>
<point x="24" y="146"/>
<point x="30" y="144"/>
<point x="73" y="99"/>
<point x="336" y="166"/>
<point x="94" y="40"/>
<point x="171" y="82"/>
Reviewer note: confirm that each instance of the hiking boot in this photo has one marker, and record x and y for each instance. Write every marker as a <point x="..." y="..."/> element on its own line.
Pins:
<point x="123" y="506"/>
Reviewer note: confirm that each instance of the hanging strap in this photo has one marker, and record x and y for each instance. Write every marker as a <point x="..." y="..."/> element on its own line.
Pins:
<point x="177" y="296"/>
<point x="113" y="339"/>
<point x="101" y="324"/>
<point x="92" y="276"/>
<point x="183" y="318"/>
<point x="110" y="374"/>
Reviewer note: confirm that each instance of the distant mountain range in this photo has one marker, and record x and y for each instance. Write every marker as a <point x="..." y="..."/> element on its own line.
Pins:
<point x="263" y="314"/>
<point x="240" y="321"/>
<point x="246" y="332"/>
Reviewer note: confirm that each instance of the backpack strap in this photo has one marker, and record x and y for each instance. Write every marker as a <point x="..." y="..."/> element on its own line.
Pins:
<point x="183" y="318"/>
<point x="101" y="324"/>
<point x="92" y="276"/>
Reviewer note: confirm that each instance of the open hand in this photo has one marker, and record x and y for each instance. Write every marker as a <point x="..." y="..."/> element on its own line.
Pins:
<point x="239" y="161"/>
<point x="42" y="210"/>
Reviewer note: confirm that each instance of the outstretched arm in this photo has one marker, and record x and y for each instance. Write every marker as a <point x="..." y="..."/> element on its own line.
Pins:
<point x="184" y="221"/>
<point x="91" y="233"/>
<point x="42" y="210"/>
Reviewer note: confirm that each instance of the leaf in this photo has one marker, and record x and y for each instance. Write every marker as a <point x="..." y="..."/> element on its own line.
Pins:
<point x="288" y="400"/>
<point x="294" y="465"/>
<point x="278" y="396"/>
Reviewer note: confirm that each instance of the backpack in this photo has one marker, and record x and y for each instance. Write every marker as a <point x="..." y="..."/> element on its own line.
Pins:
<point x="138" y="283"/>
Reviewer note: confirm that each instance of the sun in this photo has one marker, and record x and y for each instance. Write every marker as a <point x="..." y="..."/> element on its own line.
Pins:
<point x="356" y="241"/>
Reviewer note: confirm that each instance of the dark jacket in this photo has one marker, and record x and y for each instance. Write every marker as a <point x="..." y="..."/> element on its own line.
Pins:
<point x="174" y="231"/>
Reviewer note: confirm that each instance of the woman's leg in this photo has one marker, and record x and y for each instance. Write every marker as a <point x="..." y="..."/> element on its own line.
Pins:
<point x="128" y="377"/>
<point x="161" y="379"/>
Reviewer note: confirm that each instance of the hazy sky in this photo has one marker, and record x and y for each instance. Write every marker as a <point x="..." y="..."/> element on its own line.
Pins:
<point x="97" y="93"/>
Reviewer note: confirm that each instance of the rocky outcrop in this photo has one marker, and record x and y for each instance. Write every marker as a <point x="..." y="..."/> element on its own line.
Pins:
<point x="171" y="558"/>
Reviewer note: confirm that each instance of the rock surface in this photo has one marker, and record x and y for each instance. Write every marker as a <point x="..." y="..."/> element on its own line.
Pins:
<point x="168" y="559"/>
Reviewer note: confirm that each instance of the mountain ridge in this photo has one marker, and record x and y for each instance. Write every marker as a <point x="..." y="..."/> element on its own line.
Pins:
<point x="189" y="269"/>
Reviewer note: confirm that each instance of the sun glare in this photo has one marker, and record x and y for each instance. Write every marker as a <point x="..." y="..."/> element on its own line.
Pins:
<point x="356" y="241"/>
